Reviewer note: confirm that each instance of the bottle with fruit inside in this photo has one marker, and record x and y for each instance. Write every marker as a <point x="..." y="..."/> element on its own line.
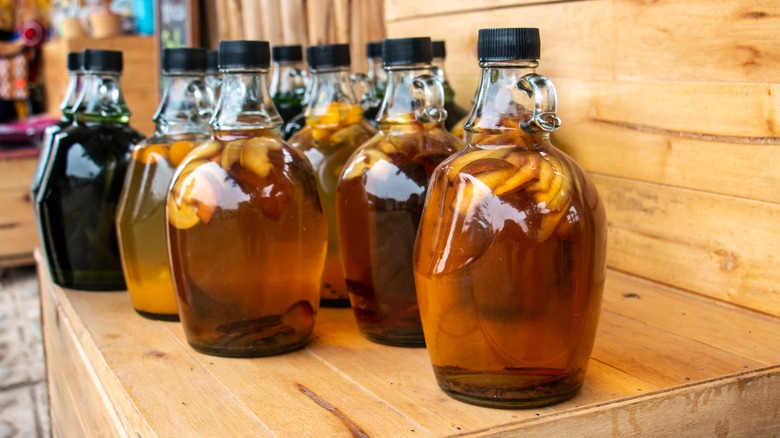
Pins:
<point x="246" y="232"/>
<point x="141" y="224"/>
<point x="510" y="257"/>
<point x="334" y="129"/>
<point x="82" y="183"/>
<point x="381" y="194"/>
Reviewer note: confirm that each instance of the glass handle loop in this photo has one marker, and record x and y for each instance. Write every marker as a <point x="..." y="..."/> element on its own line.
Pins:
<point x="541" y="90"/>
<point x="432" y="109"/>
<point x="367" y="96"/>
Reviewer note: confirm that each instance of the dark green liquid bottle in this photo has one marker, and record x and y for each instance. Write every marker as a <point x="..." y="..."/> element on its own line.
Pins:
<point x="75" y="65"/>
<point x="81" y="186"/>
<point x="455" y="112"/>
<point x="288" y="84"/>
<point x="378" y="77"/>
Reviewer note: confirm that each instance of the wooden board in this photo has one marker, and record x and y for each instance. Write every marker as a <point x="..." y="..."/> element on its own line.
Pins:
<point x="692" y="372"/>
<point x="18" y="236"/>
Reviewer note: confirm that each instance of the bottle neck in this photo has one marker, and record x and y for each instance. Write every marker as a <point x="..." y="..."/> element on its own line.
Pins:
<point x="399" y="105"/>
<point x="185" y="106"/>
<point x="438" y="70"/>
<point x="288" y="80"/>
<point x="75" y="82"/>
<point x="499" y="104"/>
<point x="330" y="86"/>
<point x="378" y="76"/>
<point x="101" y="99"/>
<point x="244" y="102"/>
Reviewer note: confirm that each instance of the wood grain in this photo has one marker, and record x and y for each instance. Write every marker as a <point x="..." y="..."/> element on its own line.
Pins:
<point x="405" y="9"/>
<point x="155" y="382"/>
<point x="294" y="22"/>
<point x="18" y="236"/>
<point x="271" y="19"/>
<point x="715" y="245"/>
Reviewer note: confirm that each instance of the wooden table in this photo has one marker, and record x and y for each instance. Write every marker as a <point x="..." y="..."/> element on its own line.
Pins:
<point x="18" y="236"/>
<point x="665" y="363"/>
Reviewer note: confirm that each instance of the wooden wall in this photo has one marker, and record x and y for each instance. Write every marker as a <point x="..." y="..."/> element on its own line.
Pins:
<point x="286" y="22"/>
<point x="674" y="109"/>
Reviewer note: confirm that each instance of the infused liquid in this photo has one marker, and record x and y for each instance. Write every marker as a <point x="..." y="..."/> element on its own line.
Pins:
<point x="141" y="225"/>
<point x="247" y="240"/>
<point x="328" y="140"/>
<point x="78" y="201"/>
<point x="510" y="271"/>
<point x="384" y="190"/>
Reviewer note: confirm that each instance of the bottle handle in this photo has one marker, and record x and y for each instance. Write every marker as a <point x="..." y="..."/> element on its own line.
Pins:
<point x="367" y="96"/>
<point x="542" y="91"/>
<point x="432" y="109"/>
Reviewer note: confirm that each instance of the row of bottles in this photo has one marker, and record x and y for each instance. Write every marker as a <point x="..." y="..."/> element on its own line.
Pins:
<point x="491" y="255"/>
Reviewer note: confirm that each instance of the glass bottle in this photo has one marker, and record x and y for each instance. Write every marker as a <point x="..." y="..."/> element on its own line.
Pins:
<point x="378" y="77"/>
<point x="288" y="83"/>
<point x="381" y="194"/>
<point x="213" y="77"/>
<point x="81" y="186"/>
<point x="334" y="129"/>
<point x="246" y="232"/>
<point x="299" y="121"/>
<point x="75" y="73"/>
<point x="141" y="224"/>
<point x="455" y="112"/>
<point x="510" y="257"/>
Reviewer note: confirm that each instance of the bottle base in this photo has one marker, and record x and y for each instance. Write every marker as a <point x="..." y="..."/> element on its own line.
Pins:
<point x="513" y="389"/>
<point x="247" y="352"/>
<point x="338" y="303"/>
<point x="393" y="341"/>
<point x="159" y="316"/>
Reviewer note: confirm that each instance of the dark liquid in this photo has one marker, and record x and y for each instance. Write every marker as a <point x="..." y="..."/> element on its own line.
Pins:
<point x="509" y="273"/>
<point x="248" y="247"/>
<point x="78" y="202"/>
<point x="293" y="126"/>
<point x="288" y="106"/>
<point x="379" y="212"/>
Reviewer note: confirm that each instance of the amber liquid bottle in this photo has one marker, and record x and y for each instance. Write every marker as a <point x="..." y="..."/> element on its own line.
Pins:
<point x="181" y="123"/>
<point x="82" y="183"/>
<point x="510" y="257"/>
<point x="334" y="130"/>
<point x="382" y="191"/>
<point x="246" y="232"/>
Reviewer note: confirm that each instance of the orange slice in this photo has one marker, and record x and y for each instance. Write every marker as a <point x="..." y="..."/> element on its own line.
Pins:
<point x="179" y="150"/>
<point x="150" y="153"/>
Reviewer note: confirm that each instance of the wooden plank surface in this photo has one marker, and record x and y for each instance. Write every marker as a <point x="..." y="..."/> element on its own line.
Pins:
<point x="159" y="386"/>
<point x="18" y="236"/>
<point x="712" y="244"/>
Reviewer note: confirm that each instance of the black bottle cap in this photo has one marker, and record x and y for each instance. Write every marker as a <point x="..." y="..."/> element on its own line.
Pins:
<point x="374" y="49"/>
<point x="184" y="59"/>
<point x="328" y="56"/>
<point x="244" y="54"/>
<point x="103" y="60"/>
<point x="213" y="66"/>
<point x="75" y="61"/>
<point x="287" y="53"/>
<point x="402" y="51"/>
<point x="504" y="44"/>
<point x="439" y="49"/>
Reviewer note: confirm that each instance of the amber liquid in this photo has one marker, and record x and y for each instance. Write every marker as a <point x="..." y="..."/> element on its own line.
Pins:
<point x="380" y="203"/>
<point x="247" y="269"/>
<point x="328" y="156"/>
<point x="510" y="285"/>
<point x="141" y="226"/>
